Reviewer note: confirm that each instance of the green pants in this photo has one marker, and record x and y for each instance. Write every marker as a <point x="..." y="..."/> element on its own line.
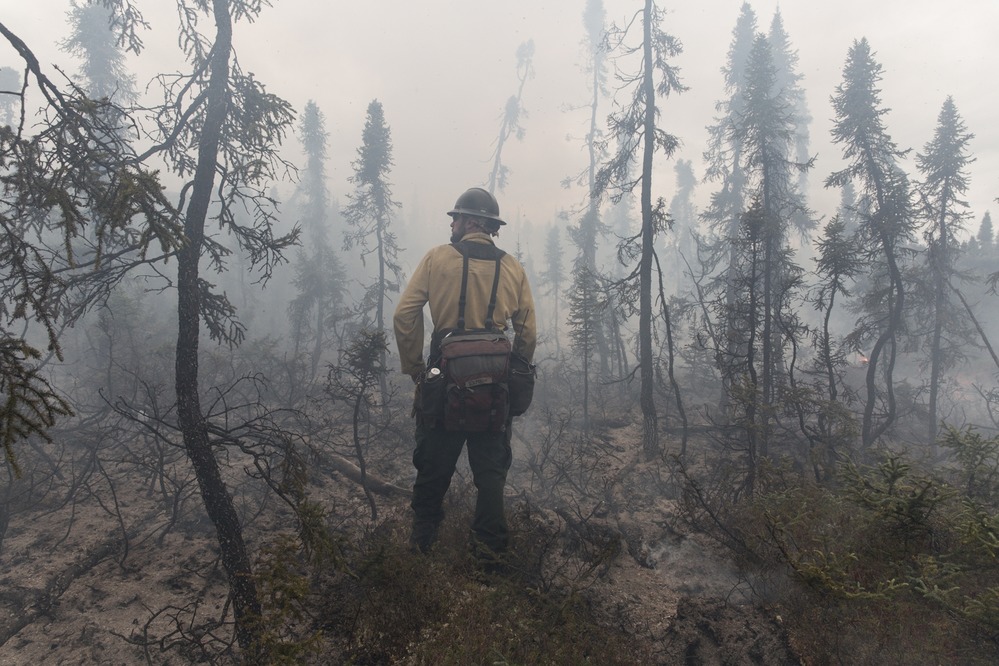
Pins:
<point x="435" y="458"/>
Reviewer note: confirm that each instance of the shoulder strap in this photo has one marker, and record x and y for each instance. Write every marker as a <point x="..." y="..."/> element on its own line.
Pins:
<point x="483" y="251"/>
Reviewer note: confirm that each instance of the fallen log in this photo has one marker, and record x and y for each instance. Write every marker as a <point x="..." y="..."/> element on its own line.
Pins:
<point x="376" y="485"/>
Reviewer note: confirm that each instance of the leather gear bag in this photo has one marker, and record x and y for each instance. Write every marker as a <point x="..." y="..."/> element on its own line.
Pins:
<point x="476" y="367"/>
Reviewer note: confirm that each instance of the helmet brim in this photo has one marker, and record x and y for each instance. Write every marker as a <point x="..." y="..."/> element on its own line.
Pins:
<point x="475" y="213"/>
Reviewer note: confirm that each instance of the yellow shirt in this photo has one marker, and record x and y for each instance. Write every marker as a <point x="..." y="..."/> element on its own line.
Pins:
<point x="437" y="280"/>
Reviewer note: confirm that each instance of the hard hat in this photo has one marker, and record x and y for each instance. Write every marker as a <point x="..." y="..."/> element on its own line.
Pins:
<point x="478" y="203"/>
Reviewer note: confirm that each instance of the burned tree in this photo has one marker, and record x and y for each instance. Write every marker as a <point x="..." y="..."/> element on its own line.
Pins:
<point x="510" y="120"/>
<point x="638" y="129"/>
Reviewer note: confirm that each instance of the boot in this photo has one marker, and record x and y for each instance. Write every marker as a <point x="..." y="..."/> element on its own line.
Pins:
<point x="423" y="536"/>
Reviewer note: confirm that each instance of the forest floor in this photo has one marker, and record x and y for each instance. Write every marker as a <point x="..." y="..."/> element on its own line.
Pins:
<point x="71" y="594"/>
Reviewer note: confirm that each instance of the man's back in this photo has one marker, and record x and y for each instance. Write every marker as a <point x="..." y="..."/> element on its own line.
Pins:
<point x="437" y="280"/>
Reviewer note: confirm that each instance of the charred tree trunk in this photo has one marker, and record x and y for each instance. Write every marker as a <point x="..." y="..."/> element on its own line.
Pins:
<point x="939" y="259"/>
<point x="380" y="315"/>
<point x="217" y="500"/>
<point x="936" y="362"/>
<point x="591" y="224"/>
<point x="886" y="344"/>
<point x="650" y="432"/>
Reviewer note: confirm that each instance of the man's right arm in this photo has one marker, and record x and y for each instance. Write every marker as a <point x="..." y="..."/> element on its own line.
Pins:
<point x="408" y="320"/>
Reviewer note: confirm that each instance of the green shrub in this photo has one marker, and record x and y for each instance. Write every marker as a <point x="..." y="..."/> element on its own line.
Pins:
<point x="894" y="564"/>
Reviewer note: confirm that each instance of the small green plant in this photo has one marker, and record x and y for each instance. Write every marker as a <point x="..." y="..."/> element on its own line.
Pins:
<point x="283" y="631"/>
<point x="977" y="459"/>
<point x="897" y="498"/>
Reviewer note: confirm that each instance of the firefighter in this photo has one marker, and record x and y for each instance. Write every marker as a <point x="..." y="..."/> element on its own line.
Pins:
<point x="437" y="280"/>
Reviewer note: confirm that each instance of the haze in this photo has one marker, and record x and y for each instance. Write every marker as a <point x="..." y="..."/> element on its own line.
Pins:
<point x="443" y="70"/>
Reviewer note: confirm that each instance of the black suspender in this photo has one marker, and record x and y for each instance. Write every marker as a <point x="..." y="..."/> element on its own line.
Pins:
<point x="468" y="251"/>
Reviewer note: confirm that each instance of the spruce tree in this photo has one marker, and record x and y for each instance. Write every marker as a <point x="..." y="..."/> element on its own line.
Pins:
<point x="369" y="214"/>
<point x="319" y="273"/>
<point x="788" y="81"/>
<point x="103" y="75"/>
<point x="103" y="71"/>
<point x="725" y="163"/>
<point x="723" y="158"/>
<point x="985" y="235"/>
<point x="886" y="224"/>
<point x="585" y="304"/>
<point x="10" y="82"/>
<point x="765" y="129"/>
<point x="837" y="263"/>
<point x="683" y="212"/>
<point x="590" y="231"/>
<point x="223" y="137"/>
<point x="553" y="278"/>
<point x="943" y="166"/>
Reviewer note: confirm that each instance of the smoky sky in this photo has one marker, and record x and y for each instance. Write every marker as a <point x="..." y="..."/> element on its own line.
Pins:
<point x="443" y="70"/>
